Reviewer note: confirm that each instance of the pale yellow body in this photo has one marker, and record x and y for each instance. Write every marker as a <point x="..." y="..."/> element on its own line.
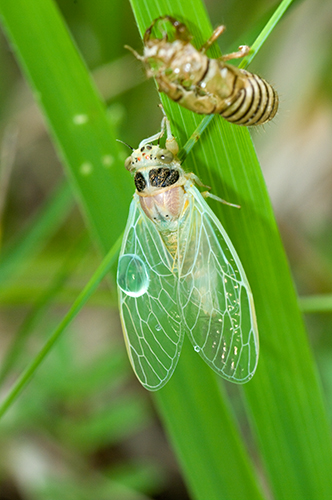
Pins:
<point x="206" y="85"/>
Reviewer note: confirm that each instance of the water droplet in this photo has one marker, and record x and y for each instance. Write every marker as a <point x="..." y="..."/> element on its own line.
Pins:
<point x="132" y="277"/>
<point x="80" y="119"/>
<point x="158" y="328"/>
<point x="86" y="168"/>
<point x="107" y="160"/>
<point x="197" y="348"/>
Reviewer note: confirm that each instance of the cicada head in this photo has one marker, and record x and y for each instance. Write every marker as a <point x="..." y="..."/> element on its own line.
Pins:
<point x="170" y="29"/>
<point x="149" y="156"/>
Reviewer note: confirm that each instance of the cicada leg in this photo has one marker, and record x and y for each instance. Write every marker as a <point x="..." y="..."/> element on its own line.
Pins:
<point x="136" y="54"/>
<point x="216" y="34"/>
<point x="196" y="180"/>
<point x="207" y="194"/>
<point x="243" y="51"/>
<point x="171" y="143"/>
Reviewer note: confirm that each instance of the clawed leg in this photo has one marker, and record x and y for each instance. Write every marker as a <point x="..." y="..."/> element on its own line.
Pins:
<point x="136" y="54"/>
<point x="207" y="194"/>
<point x="216" y="34"/>
<point x="243" y="51"/>
<point x="197" y="180"/>
<point x="171" y="143"/>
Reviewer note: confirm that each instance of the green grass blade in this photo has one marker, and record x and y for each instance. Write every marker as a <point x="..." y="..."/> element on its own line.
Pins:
<point x="316" y="303"/>
<point x="74" y="112"/>
<point x="81" y="300"/>
<point x="284" y="398"/>
<point x="266" y="31"/>
<point x="40" y="228"/>
<point x="40" y="307"/>
<point x="190" y="404"/>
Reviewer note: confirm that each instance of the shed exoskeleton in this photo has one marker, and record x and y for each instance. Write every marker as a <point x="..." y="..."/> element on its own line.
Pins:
<point x="204" y="85"/>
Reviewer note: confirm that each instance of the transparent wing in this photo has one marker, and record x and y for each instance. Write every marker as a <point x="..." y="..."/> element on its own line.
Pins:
<point x="215" y="296"/>
<point x="148" y="301"/>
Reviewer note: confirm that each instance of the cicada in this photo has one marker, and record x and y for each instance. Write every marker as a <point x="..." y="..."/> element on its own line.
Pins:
<point x="204" y="85"/>
<point x="178" y="273"/>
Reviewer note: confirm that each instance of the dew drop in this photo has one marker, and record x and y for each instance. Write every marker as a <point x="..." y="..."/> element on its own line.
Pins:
<point x="158" y="328"/>
<point x="197" y="348"/>
<point x="86" y="168"/>
<point x="132" y="276"/>
<point x="107" y="160"/>
<point x="80" y="119"/>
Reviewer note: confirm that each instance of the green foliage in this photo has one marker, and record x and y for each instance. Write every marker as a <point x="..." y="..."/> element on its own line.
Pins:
<point x="83" y="407"/>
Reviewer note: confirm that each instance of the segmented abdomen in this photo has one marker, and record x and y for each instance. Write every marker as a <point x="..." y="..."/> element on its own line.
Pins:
<point x="253" y="101"/>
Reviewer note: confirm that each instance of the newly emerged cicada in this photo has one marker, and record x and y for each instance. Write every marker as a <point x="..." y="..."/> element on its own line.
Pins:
<point x="204" y="85"/>
<point x="178" y="273"/>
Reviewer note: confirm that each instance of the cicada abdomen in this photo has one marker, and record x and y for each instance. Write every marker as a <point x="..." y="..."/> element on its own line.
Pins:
<point x="204" y="85"/>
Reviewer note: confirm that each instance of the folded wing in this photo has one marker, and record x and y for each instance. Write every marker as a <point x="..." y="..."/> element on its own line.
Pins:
<point x="149" y="308"/>
<point x="216" y="300"/>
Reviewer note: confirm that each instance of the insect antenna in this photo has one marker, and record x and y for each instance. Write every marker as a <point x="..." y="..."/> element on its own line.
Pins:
<point x="118" y="140"/>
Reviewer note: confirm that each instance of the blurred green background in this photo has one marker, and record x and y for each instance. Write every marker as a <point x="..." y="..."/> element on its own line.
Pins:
<point x="84" y="428"/>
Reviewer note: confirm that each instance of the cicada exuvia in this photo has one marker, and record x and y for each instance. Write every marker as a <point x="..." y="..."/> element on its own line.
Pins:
<point x="204" y="85"/>
<point x="178" y="273"/>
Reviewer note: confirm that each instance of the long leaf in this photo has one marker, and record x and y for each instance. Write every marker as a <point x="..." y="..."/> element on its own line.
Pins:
<point x="76" y="117"/>
<point x="284" y="398"/>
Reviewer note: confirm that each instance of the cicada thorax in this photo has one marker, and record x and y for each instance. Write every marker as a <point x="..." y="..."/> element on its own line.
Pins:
<point x="162" y="198"/>
<point x="159" y="181"/>
<point x="206" y="85"/>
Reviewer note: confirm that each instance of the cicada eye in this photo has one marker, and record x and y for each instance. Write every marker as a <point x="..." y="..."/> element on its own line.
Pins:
<point x="165" y="156"/>
<point x="128" y="164"/>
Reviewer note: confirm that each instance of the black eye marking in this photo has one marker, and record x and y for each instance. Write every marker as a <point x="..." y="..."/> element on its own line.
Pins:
<point x="139" y="182"/>
<point x="163" y="177"/>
